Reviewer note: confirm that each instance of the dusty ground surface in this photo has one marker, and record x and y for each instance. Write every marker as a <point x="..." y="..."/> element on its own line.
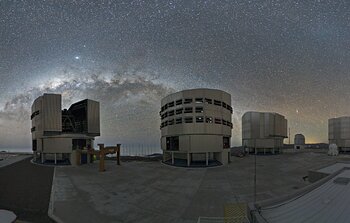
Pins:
<point x="25" y="189"/>
<point x="154" y="192"/>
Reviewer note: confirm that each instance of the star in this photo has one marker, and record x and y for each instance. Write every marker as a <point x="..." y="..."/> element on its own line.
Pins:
<point x="278" y="56"/>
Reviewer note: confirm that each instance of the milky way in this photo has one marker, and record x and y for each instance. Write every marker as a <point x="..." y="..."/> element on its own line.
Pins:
<point x="291" y="57"/>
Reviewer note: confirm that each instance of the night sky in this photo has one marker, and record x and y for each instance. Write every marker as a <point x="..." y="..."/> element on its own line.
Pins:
<point x="290" y="57"/>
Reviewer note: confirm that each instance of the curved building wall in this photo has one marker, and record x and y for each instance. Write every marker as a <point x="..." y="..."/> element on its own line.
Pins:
<point x="196" y="121"/>
<point x="339" y="132"/>
<point x="299" y="141"/>
<point x="264" y="131"/>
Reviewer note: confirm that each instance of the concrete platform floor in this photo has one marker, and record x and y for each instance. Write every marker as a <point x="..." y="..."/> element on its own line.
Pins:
<point x="25" y="189"/>
<point x="155" y="192"/>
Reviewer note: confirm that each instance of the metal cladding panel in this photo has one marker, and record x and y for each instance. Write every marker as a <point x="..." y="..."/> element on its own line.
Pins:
<point x="280" y="126"/>
<point x="93" y="117"/>
<point x="285" y="127"/>
<point x="57" y="145"/>
<point x="345" y="128"/>
<point x="269" y="125"/>
<point x="206" y="143"/>
<point x="255" y="125"/>
<point x="185" y="143"/>
<point x="299" y="139"/>
<point x="330" y="129"/>
<point x="52" y="112"/>
<point x="336" y="128"/>
<point x="39" y="145"/>
<point x="163" y="143"/>
<point x="339" y="129"/>
<point x="259" y="125"/>
<point x="246" y="126"/>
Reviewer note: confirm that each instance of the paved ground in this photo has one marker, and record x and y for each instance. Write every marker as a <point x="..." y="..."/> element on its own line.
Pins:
<point x="154" y="192"/>
<point x="9" y="158"/>
<point x="25" y="189"/>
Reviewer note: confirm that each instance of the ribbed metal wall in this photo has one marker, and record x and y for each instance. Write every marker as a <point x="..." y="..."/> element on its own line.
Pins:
<point x="263" y="129"/>
<point x="93" y="116"/>
<point x="52" y="113"/>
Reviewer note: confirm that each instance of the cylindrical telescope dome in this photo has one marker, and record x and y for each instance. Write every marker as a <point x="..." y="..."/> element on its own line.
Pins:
<point x="299" y="139"/>
<point x="338" y="132"/>
<point x="196" y="127"/>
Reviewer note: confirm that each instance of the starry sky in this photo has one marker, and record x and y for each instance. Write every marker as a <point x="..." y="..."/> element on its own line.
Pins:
<point x="290" y="57"/>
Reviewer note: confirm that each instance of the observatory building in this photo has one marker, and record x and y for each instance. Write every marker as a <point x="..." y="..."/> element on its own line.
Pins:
<point x="196" y="127"/>
<point x="299" y="141"/>
<point x="57" y="133"/>
<point x="263" y="132"/>
<point x="339" y="133"/>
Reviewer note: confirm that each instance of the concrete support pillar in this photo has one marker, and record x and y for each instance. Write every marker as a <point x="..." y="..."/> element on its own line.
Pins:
<point x="172" y="158"/>
<point x="102" y="157"/>
<point x="55" y="158"/>
<point x="188" y="159"/>
<point x="118" y="154"/>
<point x="206" y="159"/>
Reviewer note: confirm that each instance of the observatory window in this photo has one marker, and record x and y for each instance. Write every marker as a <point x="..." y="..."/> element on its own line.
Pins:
<point x="179" y="102"/>
<point x="209" y="120"/>
<point x="161" y="125"/>
<point x="217" y="121"/>
<point x="199" y="109"/>
<point x="226" y="142"/>
<point x="229" y="108"/>
<point x="172" y="143"/>
<point x="171" y="104"/>
<point x="178" y="121"/>
<point x="188" y="101"/>
<point x="78" y="143"/>
<point x="199" y="119"/>
<point x="171" y="122"/>
<point x="162" y="109"/>
<point x="34" y="114"/>
<point x="224" y="105"/>
<point x="199" y="100"/>
<point x="230" y="124"/>
<point x="188" y="120"/>
<point x="165" y="123"/>
<point x="179" y="111"/>
<point x="188" y="110"/>
<point x="216" y="102"/>
<point x="224" y="122"/>
<point x="208" y="101"/>
<point x="165" y="106"/>
<point x="171" y="112"/>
